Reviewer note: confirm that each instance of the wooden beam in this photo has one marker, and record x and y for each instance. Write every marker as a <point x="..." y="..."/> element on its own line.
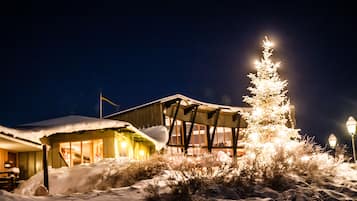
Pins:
<point x="208" y="138"/>
<point x="170" y="102"/>
<point x="211" y="136"/>
<point x="193" y="117"/>
<point x="173" y="121"/>
<point x="211" y="113"/>
<point x="235" y="135"/>
<point x="183" y="135"/>
<point x="215" y="126"/>
<point x="189" y="108"/>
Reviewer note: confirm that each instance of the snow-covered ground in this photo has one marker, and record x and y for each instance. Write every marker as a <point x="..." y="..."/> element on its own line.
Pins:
<point x="300" y="172"/>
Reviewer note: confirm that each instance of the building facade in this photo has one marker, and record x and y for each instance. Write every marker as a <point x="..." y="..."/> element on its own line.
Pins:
<point x="71" y="140"/>
<point x="194" y="127"/>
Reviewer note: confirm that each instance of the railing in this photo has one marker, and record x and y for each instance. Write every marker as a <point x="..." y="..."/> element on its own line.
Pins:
<point x="10" y="181"/>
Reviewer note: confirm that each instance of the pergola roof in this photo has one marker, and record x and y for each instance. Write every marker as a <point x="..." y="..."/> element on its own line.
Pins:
<point x="229" y="116"/>
<point x="186" y="101"/>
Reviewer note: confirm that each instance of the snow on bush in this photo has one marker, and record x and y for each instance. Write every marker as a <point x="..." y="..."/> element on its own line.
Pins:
<point x="106" y="174"/>
<point x="301" y="170"/>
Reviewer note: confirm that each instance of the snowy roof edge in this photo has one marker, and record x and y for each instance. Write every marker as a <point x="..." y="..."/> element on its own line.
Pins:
<point x="34" y="134"/>
<point x="180" y="96"/>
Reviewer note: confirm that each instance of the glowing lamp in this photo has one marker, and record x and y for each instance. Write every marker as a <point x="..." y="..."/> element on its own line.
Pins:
<point x="351" y="127"/>
<point x="123" y="144"/>
<point x="142" y="153"/>
<point x="332" y="141"/>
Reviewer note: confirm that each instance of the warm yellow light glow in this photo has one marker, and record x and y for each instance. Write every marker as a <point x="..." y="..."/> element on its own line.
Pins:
<point x="123" y="144"/>
<point x="267" y="43"/>
<point x="256" y="62"/>
<point x="332" y="140"/>
<point x="351" y="125"/>
<point x="258" y="112"/>
<point x="277" y="64"/>
<point x="142" y="153"/>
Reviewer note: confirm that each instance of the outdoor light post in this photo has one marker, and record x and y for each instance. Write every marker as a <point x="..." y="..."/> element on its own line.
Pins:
<point x="351" y="127"/>
<point x="332" y="141"/>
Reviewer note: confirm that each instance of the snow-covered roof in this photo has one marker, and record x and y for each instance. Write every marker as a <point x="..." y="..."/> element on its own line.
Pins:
<point x="159" y="133"/>
<point x="16" y="144"/>
<point x="69" y="124"/>
<point x="187" y="101"/>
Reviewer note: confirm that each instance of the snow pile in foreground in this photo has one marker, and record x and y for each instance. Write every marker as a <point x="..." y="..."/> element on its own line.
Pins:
<point x="78" y="179"/>
<point x="296" y="171"/>
<point x="103" y="175"/>
<point x="291" y="171"/>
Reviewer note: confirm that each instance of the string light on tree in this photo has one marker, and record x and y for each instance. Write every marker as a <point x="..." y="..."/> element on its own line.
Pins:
<point x="270" y="105"/>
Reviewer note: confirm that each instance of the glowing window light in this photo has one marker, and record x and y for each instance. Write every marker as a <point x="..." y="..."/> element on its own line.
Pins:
<point x="141" y="153"/>
<point x="123" y="144"/>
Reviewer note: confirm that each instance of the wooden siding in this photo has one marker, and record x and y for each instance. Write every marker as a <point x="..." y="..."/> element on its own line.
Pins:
<point x="29" y="163"/>
<point x="54" y="154"/>
<point x="3" y="158"/>
<point x="143" y="117"/>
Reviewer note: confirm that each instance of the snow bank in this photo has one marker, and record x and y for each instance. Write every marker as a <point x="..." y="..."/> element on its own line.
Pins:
<point x="78" y="179"/>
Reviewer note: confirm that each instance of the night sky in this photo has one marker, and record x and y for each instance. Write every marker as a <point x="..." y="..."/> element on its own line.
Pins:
<point x="56" y="58"/>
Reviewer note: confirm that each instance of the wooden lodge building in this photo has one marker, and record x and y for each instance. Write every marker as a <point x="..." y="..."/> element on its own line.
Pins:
<point x="185" y="126"/>
<point x="72" y="140"/>
<point x="194" y="127"/>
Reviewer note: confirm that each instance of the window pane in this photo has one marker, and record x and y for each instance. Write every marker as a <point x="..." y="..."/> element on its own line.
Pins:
<point x="76" y="153"/>
<point x="87" y="151"/>
<point x="98" y="150"/>
<point x="65" y="152"/>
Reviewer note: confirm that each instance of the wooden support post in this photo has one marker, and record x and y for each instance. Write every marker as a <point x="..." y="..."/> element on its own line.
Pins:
<point x="183" y="135"/>
<point x="208" y="139"/>
<point x="235" y="135"/>
<point x="214" y="130"/>
<point x="173" y="121"/>
<point x="193" y="117"/>
<point x="234" y="143"/>
<point x="45" y="166"/>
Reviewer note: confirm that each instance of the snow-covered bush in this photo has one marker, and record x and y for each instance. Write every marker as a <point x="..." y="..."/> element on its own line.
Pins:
<point x="106" y="174"/>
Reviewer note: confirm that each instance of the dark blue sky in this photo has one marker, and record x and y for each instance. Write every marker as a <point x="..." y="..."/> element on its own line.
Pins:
<point x="56" y="58"/>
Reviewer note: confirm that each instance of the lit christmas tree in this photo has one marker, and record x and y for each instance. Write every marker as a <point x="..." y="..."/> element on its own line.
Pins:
<point x="270" y="106"/>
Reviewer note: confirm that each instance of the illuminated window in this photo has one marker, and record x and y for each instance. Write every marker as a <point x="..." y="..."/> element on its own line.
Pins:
<point x="81" y="152"/>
